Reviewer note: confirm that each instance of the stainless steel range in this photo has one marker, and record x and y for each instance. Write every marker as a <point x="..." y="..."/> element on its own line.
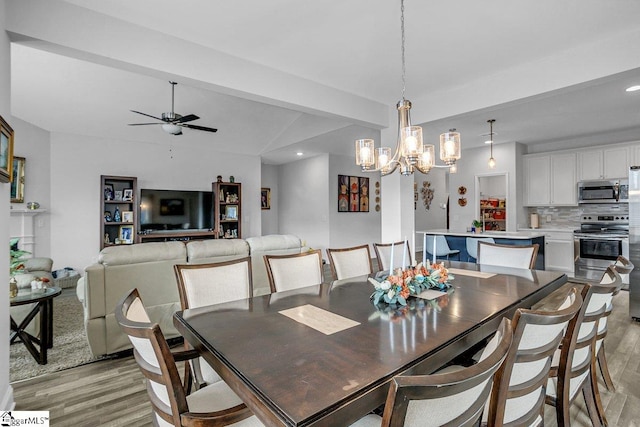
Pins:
<point x="602" y="237"/>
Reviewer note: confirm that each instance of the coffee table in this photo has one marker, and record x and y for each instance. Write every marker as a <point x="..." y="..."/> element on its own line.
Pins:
<point x="43" y="305"/>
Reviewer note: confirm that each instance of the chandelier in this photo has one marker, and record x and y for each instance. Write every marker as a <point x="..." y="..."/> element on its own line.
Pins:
<point x="410" y="153"/>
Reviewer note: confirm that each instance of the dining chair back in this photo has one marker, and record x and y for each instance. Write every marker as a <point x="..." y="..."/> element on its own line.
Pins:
<point x="507" y="255"/>
<point x="401" y="251"/>
<point x="574" y="364"/>
<point x="518" y="394"/>
<point x="472" y="246"/>
<point x="213" y="405"/>
<point x="350" y="262"/>
<point x="453" y="398"/>
<point x="611" y="277"/>
<point x="294" y="271"/>
<point x="623" y="265"/>
<point x="207" y="284"/>
<point x="442" y="248"/>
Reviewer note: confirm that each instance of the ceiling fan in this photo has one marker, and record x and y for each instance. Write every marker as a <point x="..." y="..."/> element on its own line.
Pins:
<point x="171" y="122"/>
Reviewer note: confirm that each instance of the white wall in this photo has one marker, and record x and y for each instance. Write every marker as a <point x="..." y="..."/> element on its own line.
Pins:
<point x="32" y="143"/>
<point x="435" y="216"/>
<point x="78" y="161"/>
<point x="351" y="228"/>
<point x="6" y="392"/>
<point x="302" y="202"/>
<point x="474" y="163"/>
<point x="270" y="224"/>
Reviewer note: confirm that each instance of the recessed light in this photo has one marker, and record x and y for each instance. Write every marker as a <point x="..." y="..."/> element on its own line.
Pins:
<point x="488" y="141"/>
<point x="299" y="153"/>
<point x="633" y="88"/>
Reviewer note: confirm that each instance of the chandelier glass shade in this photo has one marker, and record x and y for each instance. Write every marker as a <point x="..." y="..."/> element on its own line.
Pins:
<point x="410" y="153"/>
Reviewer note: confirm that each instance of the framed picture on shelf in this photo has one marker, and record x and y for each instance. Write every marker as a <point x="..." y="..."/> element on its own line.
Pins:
<point x="117" y="195"/>
<point x="127" y="195"/>
<point x="126" y="234"/>
<point x="17" y="180"/>
<point x="6" y="151"/>
<point x="265" y="198"/>
<point x="127" y="216"/>
<point x="231" y="212"/>
<point x="108" y="192"/>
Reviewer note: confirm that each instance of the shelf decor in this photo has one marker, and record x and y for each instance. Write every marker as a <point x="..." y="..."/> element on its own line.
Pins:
<point x="397" y="287"/>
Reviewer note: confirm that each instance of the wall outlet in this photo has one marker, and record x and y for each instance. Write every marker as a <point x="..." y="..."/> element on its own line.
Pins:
<point x="548" y="218"/>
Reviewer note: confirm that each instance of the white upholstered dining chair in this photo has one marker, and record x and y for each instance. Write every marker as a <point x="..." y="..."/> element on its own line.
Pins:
<point x="507" y="255"/>
<point x="518" y="395"/>
<point x="213" y="405"/>
<point x="383" y="254"/>
<point x="350" y="262"/>
<point x="573" y="366"/>
<point x="472" y="246"/>
<point x="212" y="283"/>
<point x="453" y="398"/>
<point x="286" y="272"/>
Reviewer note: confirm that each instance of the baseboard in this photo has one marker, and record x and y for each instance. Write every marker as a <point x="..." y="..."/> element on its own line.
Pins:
<point x="7" y="403"/>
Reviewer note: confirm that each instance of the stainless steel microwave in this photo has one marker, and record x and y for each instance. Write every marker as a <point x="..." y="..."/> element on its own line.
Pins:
<point x="604" y="191"/>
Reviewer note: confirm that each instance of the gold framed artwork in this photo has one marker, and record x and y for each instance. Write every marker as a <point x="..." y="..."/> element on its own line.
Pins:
<point x="6" y="151"/>
<point x="17" y="180"/>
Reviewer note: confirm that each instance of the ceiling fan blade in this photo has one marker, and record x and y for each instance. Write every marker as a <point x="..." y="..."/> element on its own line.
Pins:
<point x="145" y="114"/>
<point x="187" y="118"/>
<point x="198" y="127"/>
<point x="143" y="124"/>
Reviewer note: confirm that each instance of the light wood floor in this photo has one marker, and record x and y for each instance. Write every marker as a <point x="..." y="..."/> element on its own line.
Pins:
<point x="112" y="392"/>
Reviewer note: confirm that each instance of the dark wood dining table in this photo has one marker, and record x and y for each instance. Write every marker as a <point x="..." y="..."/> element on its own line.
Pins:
<point x="290" y="374"/>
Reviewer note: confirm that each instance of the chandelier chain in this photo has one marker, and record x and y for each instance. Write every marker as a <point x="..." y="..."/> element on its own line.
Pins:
<point x="402" y="31"/>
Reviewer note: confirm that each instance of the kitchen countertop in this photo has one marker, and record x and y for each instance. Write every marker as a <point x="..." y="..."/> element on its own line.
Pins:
<point x="551" y="229"/>
<point x="528" y="234"/>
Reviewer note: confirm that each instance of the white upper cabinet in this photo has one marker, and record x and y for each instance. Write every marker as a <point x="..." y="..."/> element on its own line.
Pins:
<point x="635" y="161"/>
<point x="550" y="180"/>
<point x="604" y="163"/>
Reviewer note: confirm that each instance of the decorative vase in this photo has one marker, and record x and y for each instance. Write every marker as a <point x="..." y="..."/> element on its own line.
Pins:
<point x="116" y="215"/>
<point x="13" y="287"/>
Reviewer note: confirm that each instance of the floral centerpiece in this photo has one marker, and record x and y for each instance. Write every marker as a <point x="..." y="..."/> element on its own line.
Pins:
<point x="398" y="286"/>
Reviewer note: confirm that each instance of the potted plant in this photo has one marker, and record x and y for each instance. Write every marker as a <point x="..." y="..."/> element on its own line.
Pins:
<point x="477" y="225"/>
<point x="16" y="265"/>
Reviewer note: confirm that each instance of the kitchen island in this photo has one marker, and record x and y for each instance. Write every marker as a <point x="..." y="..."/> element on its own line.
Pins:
<point x="457" y="240"/>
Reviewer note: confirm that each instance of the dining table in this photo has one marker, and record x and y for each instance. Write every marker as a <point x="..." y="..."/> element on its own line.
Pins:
<point x="325" y="355"/>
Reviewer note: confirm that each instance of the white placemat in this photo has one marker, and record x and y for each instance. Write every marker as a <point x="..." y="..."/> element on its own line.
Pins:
<point x="431" y="294"/>
<point x="321" y="320"/>
<point x="471" y="273"/>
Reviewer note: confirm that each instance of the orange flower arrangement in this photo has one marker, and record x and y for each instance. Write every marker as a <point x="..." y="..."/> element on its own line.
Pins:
<point x="396" y="288"/>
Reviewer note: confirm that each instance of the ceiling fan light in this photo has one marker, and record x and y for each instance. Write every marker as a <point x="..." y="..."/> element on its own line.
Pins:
<point x="172" y="129"/>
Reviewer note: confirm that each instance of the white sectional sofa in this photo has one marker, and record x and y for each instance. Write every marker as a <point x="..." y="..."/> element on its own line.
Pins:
<point x="149" y="267"/>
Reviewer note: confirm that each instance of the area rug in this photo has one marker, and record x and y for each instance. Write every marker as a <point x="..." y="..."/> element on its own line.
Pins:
<point x="70" y="346"/>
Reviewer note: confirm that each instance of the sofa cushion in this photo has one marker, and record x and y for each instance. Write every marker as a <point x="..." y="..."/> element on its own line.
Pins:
<point x="273" y="242"/>
<point x="38" y="264"/>
<point x="205" y="251"/>
<point x="146" y="252"/>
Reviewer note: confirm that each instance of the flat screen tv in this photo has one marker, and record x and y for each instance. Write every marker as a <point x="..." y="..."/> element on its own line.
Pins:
<point x="175" y="210"/>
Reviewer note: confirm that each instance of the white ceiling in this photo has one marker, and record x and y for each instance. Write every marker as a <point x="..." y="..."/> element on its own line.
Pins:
<point x="352" y="46"/>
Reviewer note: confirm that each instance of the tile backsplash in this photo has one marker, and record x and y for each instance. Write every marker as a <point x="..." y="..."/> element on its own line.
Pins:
<point x="569" y="216"/>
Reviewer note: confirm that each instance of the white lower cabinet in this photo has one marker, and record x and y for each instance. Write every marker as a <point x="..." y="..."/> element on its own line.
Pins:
<point x="559" y="251"/>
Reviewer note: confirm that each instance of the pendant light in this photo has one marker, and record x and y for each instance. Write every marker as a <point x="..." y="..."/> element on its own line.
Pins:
<point x="492" y="161"/>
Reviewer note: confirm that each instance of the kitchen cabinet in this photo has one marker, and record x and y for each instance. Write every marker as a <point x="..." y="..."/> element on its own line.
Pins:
<point x="635" y="161"/>
<point x="604" y="163"/>
<point x="550" y="180"/>
<point x="559" y="250"/>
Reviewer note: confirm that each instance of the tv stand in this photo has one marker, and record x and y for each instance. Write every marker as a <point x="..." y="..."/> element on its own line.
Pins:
<point x="183" y="236"/>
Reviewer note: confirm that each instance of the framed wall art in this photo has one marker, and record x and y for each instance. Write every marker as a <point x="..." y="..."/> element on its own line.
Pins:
<point x="17" y="180"/>
<point x="6" y="151"/>
<point x="353" y="194"/>
<point x="265" y="198"/>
